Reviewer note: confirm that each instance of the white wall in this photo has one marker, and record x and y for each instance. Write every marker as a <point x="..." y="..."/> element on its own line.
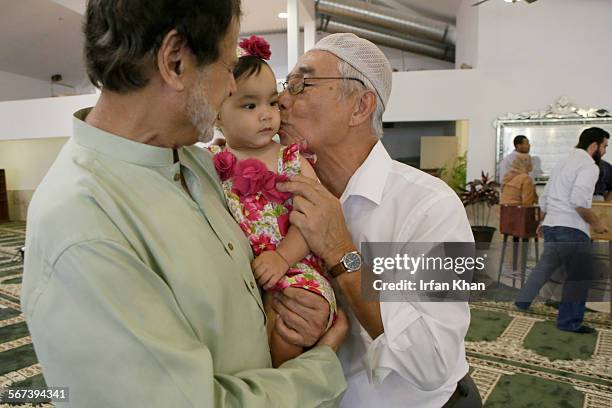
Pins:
<point x="530" y="55"/>
<point x="527" y="57"/>
<point x="14" y="87"/>
<point x="41" y="118"/>
<point x="25" y="163"/>
<point x="466" y="51"/>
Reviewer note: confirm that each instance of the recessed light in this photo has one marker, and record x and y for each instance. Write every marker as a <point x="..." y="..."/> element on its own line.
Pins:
<point x="282" y="15"/>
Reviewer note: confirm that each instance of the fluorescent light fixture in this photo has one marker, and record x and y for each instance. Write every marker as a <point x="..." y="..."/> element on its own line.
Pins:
<point x="282" y="15"/>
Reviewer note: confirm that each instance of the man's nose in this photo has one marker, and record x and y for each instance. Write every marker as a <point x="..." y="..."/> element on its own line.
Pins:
<point x="284" y="101"/>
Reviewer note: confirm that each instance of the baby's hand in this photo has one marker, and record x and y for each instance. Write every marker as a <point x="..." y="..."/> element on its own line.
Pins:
<point x="269" y="267"/>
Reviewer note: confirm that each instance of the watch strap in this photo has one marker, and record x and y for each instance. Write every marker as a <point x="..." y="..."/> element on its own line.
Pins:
<point x="337" y="269"/>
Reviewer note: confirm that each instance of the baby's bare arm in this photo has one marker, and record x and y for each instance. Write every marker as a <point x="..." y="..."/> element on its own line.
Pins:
<point x="293" y="247"/>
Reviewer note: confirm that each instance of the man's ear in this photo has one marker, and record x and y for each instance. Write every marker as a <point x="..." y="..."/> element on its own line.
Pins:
<point x="365" y="105"/>
<point x="172" y="57"/>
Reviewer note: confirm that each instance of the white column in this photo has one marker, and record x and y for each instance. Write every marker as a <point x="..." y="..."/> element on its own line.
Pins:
<point x="310" y="22"/>
<point x="293" y="32"/>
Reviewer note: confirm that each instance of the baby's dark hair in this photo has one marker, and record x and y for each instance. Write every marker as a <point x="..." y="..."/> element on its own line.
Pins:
<point x="248" y="66"/>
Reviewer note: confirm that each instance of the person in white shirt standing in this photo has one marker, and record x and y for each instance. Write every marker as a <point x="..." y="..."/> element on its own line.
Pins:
<point x="567" y="219"/>
<point x="521" y="145"/>
<point x="398" y="354"/>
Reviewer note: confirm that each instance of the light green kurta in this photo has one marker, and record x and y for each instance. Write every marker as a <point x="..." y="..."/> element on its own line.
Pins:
<point x="137" y="295"/>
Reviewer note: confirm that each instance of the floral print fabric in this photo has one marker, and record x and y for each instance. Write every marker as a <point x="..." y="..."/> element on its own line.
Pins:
<point x="262" y="212"/>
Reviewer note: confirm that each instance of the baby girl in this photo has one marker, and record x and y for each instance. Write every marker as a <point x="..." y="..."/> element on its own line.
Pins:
<point x="249" y="165"/>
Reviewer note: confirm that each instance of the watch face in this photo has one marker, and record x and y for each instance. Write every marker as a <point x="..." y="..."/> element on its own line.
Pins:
<point x="352" y="261"/>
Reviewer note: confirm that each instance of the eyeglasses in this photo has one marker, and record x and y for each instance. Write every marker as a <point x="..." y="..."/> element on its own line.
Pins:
<point x="296" y="85"/>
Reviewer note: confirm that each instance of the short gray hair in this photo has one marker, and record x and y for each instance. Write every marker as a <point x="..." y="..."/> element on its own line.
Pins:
<point x="348" y="87"/>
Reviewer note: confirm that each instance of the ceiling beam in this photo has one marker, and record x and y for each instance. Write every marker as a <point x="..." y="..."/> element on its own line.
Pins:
<point x="394" y="4"/>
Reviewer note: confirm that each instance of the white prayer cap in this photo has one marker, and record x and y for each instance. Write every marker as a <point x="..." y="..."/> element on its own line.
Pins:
<point x="364" y="56"/>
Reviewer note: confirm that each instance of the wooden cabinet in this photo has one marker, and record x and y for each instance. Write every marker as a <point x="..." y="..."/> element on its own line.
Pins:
<point x="4" y="214"/>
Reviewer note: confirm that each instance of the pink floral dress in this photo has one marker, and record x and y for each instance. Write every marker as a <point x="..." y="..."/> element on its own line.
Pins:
<point x="262" y="212"/>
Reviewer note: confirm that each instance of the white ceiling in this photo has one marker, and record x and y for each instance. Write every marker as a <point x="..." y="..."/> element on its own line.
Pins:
<point x="43" y="37"/>
<point x="262" y="15"/>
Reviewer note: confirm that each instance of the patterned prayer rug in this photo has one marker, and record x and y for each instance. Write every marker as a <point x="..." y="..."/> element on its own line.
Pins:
<point x="19" y="367"/>
<point x="518" y="359"/>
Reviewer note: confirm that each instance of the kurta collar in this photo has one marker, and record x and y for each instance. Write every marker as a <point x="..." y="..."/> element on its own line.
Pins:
<point x="116" y="146"/>
<point x="369" y="179"/>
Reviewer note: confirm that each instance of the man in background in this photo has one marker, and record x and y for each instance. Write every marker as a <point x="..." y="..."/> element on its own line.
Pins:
<point x="567" y="220"/>
<point x="521" y="145"/>
<point x="603" y="188"/>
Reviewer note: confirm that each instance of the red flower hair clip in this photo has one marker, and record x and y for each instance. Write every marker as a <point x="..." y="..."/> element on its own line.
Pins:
<point x="255" y="46"/>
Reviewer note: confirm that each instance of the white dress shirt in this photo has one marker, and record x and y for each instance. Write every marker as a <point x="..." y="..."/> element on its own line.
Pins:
<point x="420" y="357"/>
<point x="571" y="185"/>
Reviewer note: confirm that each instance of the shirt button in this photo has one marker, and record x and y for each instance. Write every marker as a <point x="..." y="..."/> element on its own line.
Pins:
<point x="252" y="285"/>
<point x="230" y="246"/>
<point x="177" y="177"/>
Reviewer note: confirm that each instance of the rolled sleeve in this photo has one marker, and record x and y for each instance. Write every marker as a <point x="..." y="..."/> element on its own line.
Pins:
<point x="423" y="341"/>
<point x="581" y="195"/>
<point x="110" y="328"/>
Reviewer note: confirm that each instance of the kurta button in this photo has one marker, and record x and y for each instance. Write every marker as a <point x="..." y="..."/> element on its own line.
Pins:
<point x="177" y="177"/>
<point x="252" y="285"/>
<point x="230" y="246"/>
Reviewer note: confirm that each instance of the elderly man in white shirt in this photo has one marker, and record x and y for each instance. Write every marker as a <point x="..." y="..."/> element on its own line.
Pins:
<point x="398" y="354"/>
<point x="566" y="226"/>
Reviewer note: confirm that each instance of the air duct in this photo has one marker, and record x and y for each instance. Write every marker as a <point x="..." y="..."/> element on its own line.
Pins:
<point x="446" y="53"/>
<point x="395" y="20"/>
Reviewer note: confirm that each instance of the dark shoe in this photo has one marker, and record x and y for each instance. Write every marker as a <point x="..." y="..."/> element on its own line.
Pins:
<point x="581" y="330"/>
<point x="524" y="306"/>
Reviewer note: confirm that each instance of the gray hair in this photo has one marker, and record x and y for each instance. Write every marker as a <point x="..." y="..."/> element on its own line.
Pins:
<point x="348" y="87"/>
<point x="122" y="37"/>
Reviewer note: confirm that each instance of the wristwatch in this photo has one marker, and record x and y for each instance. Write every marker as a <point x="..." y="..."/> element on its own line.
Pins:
<point x="350" y="262"/>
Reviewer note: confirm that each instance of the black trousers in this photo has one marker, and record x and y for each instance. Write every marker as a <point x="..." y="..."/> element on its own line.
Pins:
<point x="465" y="396"/>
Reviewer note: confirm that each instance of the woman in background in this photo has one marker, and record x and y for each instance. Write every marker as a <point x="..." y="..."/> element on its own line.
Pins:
<point x="517" y="187"/>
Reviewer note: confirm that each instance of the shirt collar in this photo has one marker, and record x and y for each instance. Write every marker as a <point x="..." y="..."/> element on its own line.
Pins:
<point x="369" y="179"/>
<point x="583" y="154"/>
<point x="116" y="146"/>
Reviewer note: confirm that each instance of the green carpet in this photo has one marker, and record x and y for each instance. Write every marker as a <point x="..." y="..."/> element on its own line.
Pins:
<point x="518" y="359"/>
<point x="490" y="325"/>
<point x="558" y="395"/>
<point x="545" y="339"/>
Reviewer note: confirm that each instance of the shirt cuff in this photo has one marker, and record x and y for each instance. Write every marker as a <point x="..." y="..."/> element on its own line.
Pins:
<point x="381" y="358"/>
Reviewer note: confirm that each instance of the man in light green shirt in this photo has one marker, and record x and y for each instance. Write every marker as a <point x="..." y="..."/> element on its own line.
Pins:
<point x="137" y="283"/>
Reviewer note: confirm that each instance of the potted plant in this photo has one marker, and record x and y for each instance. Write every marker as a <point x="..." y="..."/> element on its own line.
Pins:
<point x="454" y="174"/>
<point x="480" y="196"/>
